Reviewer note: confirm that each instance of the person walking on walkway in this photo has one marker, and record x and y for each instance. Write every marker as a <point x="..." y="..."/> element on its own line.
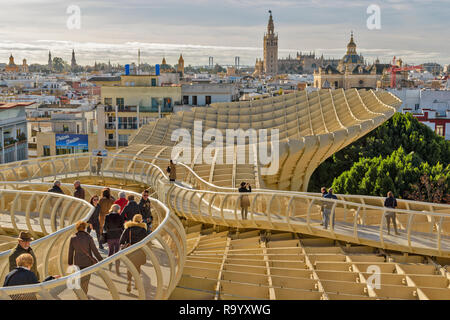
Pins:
<point x="22" y="275"/>
<point x="244" y="200"/>
<point x="94" y="223"/>
<point x="56" y="187"/>
<point x="105" y="202"/>
<point x="113" y="230"/>
<point x="82" y="250"/>
<point x="172" y="171"/>
<point x="327" y="210"/>
<point x="145" y="210"/>
<point x="134" y="232"/>
<point x="79" y="191"/>
<point x="24" y="246"/>
<point x="323" y="190"/>
<point x="391" y="202"/>
<point x="122" y="201"/>
<point x="131" y="209"/>
<point x="99" y="162"/>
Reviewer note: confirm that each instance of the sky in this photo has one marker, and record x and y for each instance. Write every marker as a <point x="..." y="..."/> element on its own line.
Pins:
<point x="415" y="30"/>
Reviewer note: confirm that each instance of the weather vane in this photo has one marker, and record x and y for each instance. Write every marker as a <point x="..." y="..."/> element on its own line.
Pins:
<point x="270" y="11"/>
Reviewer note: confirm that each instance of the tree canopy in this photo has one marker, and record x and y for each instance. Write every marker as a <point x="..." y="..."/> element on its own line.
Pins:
<point x="393" y="157"/>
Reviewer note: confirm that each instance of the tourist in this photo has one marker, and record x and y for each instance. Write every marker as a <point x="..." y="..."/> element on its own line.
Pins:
<point x="22" y="275"/>
<point x="82" y="250"/>
<point x="79" y="191"/>
<point x="130" y="209"/>
<point x="99" y="162"/>
<point x="56" y="187"/>
<point x="172" y="171"/>
<point x="327" y="210"/>
<point x="94" y="223"/>
<point x="244" y="200"/>
<point x="391" y="202"/>
<point x="134" y="232"/>
<point x="113" y="230"/>
<point x="105" y="202"/>
<point x="122" y="201"/>
<point x="323" y="190"/>
<point x="145" y="210"/>
<point x="24" y="246"/>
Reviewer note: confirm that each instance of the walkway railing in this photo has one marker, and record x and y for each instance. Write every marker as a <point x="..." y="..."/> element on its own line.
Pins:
<point x="359" y="219"/>
<point x="164" y="249"/>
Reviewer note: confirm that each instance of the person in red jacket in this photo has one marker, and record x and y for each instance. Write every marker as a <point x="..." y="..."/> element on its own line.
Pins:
<point x="122" y="201"/>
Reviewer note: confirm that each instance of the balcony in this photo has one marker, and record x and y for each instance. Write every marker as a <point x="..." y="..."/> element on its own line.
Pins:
<point x="122" y="126"/>
<point x="121" y="109"/>
<point x="154" y="109"/>
<point x="112" y="143"/>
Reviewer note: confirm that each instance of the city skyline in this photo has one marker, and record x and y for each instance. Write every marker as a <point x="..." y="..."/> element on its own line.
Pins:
<point x="411" y="30"/>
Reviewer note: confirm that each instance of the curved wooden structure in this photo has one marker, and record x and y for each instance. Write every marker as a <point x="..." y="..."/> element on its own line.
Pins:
<point x="311" y="127"/>
<point x="282" y="251"/>
<point x="50" y="218"/>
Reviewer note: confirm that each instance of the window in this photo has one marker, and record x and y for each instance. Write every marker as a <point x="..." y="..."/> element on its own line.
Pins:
<point x="120" y="102"/>
<point x="65" y="128"/>
<point x="208" y="99"/>
<point x="167" y="104"/>
<point x="336" y="84"/>
<point x="440" y="130"/>
<point x="416" y="106"/>
<point x="155" y="103"/>
<point x="153" y="82"/>
<point x="108" y="101"/>
<point x="185" y="99"/>
<point x="46" y="151"/>
<point x="194" y="100"/>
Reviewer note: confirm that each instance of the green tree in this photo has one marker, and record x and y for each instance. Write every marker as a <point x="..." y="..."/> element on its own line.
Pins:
<point x="59" y="65"/>
<point x="402" y="130"/>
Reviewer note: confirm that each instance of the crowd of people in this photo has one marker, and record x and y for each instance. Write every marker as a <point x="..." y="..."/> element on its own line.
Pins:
<point x="117" y="224"/>
<point x="124" y="222"/>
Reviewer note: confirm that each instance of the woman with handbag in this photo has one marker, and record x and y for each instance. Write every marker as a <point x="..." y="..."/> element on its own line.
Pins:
<point x="134" y="232"/>
<point x="94" y="223"/>
<point x="82" y="250"/>
<point x="113" y="230"/>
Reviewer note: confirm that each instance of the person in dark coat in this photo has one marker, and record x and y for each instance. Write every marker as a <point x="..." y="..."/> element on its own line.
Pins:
<point x="244" y="200"/>
<point x="22" y="275"/>
<point x="145" y="210"/>
<point x="82" y="250"/>
<point x="391" y="202"/>
<point x="131" y="209"/>
<point x="105" y="202"/>
<point x="23" y="247"/>
<point x="79" y="191"/>
<point x="56" y="187"/>
<point x="113" y="229"/>
<point x="327" y="209"/>
<point x="134" y="232"/>
<point x="172" y="171"/>
<point x="323" y="190"/>
<point x="94" y="223"/>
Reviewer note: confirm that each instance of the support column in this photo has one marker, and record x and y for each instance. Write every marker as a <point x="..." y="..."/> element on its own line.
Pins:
<point x="117" y="127"/>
